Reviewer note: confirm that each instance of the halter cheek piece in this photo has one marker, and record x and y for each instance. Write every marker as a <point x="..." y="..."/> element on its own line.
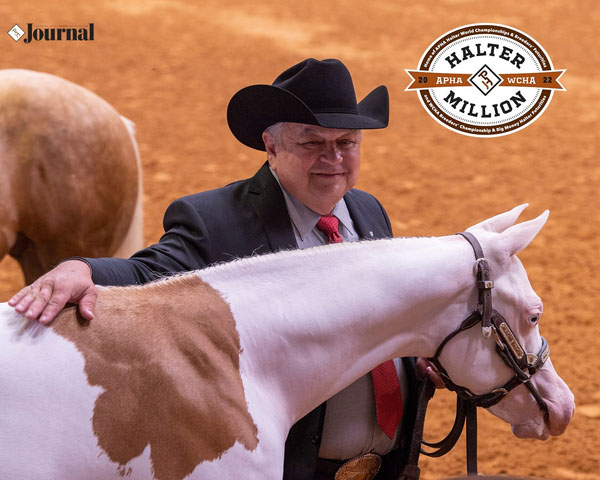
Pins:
<point x="523" y="364"/>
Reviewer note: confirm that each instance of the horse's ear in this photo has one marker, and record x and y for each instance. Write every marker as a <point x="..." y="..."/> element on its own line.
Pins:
<point x="500" y="222"/>
<point x="517" y="237"/>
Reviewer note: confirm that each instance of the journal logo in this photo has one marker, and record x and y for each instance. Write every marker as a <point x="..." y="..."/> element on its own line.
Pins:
<point x="485" y="80"/>
<point x="37" y="33"/>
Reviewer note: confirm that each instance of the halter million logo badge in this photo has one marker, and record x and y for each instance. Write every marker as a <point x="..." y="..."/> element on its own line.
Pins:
<point x="485" y="80"/>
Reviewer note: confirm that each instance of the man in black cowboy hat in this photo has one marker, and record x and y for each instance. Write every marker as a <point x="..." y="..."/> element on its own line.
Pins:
<point x="310" y="125"/>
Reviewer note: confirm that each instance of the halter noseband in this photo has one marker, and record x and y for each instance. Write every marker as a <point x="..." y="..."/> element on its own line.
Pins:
<point x="523" y="364"/>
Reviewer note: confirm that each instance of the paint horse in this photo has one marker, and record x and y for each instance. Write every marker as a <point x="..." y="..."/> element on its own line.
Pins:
<point x="71" y="174"/>
<point x="201" y="375"/>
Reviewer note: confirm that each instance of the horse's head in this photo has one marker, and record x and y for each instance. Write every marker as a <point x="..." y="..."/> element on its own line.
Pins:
<point x="470" y="358"/>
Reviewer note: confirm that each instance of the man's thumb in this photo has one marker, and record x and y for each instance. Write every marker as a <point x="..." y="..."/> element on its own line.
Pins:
<point x="87" y="306"/>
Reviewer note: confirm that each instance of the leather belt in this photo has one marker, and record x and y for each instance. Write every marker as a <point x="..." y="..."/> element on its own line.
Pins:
<point x="328" y="467"/>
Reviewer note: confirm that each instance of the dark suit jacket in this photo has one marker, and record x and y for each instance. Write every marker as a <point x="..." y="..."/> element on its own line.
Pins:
<point x="247" y="217"/>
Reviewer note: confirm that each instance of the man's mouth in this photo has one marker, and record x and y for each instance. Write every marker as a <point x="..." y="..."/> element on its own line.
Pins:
<point x="328" y="174"/>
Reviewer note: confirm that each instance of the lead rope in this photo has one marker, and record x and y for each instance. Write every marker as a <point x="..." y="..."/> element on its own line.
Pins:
<point x="466" y="411"/>
<point x="471" y="413"/>
<point x="411" y="470"/>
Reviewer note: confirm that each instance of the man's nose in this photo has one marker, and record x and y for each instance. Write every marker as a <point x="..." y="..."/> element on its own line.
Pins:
<point x="332" y="154"/>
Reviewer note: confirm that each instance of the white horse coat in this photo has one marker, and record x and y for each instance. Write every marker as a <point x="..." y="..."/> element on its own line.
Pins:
<point x="202" y="375"/>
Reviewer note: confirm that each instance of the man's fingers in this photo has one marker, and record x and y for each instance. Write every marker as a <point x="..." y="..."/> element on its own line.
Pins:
<point x="46" y="298"/>
<point x="426" y="369"/>
<point x="17" y="297"/>
<point x="26" y="297"/>
<point x="49" y="313"/>
<point x="434" y="377"/>
<point x="58" y="300"/>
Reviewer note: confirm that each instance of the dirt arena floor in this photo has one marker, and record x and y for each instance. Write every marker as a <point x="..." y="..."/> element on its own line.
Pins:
<point x="172" y="65"/>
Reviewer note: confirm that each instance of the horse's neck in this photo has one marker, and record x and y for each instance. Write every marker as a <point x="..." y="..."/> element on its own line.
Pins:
<point x="313" y="321"/>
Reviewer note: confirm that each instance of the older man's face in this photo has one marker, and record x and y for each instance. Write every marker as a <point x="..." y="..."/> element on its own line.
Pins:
<point x="316" y="165"/>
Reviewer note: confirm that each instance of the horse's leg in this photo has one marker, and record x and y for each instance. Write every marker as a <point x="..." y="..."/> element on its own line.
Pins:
<point x="8" y="239"/>
<point x="5" y="243"/>
<point x="25" y="252"/>
<point x="134" y="240"/>
<point x="8" y="234"/>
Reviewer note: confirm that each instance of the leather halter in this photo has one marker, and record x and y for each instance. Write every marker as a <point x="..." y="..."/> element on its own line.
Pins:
<point x="523" y="364"/>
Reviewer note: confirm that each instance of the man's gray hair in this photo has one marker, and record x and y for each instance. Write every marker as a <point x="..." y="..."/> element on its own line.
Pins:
<point x="275" y="131"/>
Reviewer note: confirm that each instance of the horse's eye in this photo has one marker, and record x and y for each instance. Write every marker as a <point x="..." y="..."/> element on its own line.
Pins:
<point x="533" y="319"/>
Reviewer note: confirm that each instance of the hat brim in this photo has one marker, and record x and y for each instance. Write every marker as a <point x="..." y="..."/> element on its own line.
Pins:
<point x="255" y="108"/>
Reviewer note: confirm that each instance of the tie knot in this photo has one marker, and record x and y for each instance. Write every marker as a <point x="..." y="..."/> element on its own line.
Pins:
<point x="328" y="224"/>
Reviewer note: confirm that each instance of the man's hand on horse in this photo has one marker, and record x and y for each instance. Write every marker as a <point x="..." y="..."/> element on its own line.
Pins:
<point x="68" y="282"/>
<point x="426" y="369"/>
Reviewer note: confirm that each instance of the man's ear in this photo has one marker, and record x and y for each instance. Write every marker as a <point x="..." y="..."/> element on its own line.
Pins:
<point x="270" y="145"/>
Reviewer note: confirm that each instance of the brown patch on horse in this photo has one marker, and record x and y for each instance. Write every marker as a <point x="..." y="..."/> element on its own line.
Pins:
<point x="167" y="356"/>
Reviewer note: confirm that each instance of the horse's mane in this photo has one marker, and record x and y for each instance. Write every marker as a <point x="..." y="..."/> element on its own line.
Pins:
<point x="285" y="258"/>
<point x="293" y="256"/>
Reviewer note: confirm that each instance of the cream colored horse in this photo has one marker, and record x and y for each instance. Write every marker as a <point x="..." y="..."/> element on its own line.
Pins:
<point x="200" y="376"/>
<point x="70" y="180"/>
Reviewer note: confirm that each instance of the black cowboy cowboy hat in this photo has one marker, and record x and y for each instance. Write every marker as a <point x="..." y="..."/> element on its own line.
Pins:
<point x="313" y="92"/>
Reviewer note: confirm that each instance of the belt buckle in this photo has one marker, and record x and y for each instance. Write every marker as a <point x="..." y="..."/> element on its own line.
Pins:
<point x="363" y="467"/>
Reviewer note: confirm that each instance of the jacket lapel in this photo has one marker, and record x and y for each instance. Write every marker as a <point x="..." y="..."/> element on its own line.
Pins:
<point x="266" y="198"/>
<point x="369" y="222"/>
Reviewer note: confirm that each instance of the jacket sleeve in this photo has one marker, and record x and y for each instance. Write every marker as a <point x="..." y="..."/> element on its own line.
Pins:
<point x="185" y="245"/>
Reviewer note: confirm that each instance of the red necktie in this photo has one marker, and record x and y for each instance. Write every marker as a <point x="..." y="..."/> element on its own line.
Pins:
<point x="388" y="396"/>
<point x="328" y="224"/>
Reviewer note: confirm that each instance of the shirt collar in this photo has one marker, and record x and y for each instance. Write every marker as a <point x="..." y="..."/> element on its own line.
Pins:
<point x="305" y="220"/>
